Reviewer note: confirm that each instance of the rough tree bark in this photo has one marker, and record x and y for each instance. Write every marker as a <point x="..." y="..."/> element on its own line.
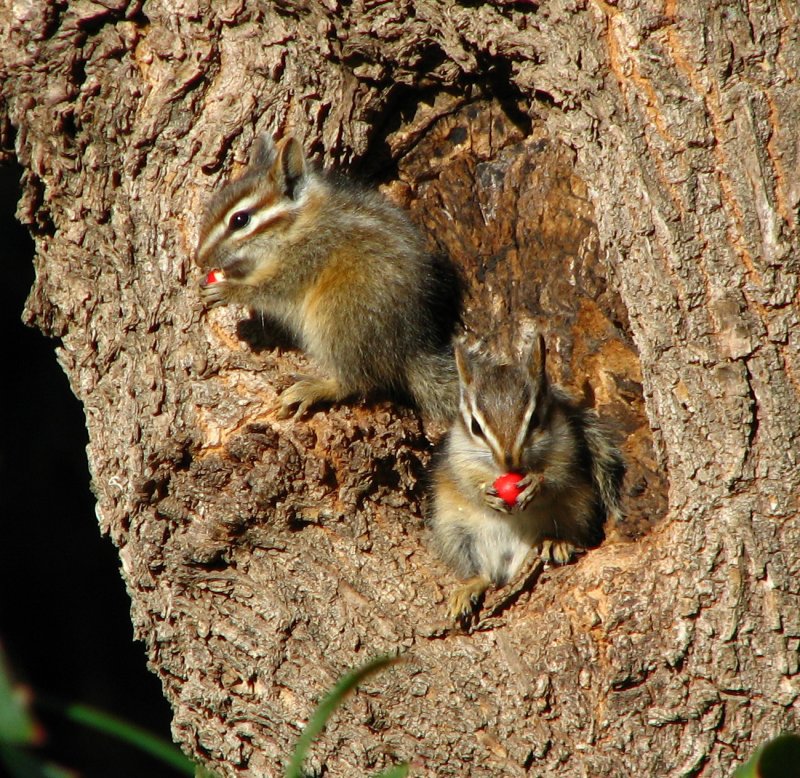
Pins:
<point x="263" y="558"/>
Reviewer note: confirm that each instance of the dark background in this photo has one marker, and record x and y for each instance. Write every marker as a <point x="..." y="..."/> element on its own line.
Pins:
<point x="64" y="612"/>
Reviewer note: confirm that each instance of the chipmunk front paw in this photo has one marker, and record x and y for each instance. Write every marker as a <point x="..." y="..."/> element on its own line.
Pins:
<point x="494" y="500"/>
<point x="305" y="393"/>
<point x="530" y="486"/>
<point x="216" y="293"/>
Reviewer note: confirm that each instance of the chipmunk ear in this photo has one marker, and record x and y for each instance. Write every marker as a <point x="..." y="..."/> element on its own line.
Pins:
<point x="463" y="364"/>
<point x="537" y="364"/>
<point x="264" y="152"/>
<point x="290" y="169"/>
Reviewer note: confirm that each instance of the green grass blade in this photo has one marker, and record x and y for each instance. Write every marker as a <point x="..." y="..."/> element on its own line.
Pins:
<point x="16" y="724"/>
<point x="21" y="764"/>
<point x="326" y="708"/>
<point x="140" y="738"/>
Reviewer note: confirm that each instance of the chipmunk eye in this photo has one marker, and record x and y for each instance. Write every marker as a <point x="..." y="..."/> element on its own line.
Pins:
<point x="239" y="219"/>
<point x="477" y="430"/>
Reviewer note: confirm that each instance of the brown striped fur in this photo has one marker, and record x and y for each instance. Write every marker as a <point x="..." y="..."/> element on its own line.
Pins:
<point x="512" y="419"/>
<point x="344" y="271"/>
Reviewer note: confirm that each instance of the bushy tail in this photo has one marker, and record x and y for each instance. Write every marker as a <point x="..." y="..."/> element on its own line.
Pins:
<point x="433" y="384"/>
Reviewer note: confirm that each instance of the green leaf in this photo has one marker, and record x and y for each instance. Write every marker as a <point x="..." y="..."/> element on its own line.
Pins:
<point x="326" y="708"/>
<point x="157" y="747"/>
<point x="16" y="724"/>
<point x="778" y="758"/>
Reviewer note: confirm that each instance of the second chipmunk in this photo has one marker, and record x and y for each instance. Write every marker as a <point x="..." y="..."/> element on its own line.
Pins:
<point x="512" y="419"/>
<point x="344" y="271"/>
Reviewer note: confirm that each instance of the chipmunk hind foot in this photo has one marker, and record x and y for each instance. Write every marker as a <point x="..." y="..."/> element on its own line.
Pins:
<point x="466" y="598"/>
<point x="558" y="551"/>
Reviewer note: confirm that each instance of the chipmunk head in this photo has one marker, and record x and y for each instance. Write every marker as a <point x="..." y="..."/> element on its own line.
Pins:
<point x="505" y="407"/>
<point x="259" y="206"/>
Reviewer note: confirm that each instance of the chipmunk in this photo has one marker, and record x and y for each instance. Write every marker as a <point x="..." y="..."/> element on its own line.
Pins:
<point x="513" y="419"/>
<point x="344" y="271"/>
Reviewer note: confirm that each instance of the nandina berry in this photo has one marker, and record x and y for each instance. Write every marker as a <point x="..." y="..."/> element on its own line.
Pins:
<point x="506" y="487"/>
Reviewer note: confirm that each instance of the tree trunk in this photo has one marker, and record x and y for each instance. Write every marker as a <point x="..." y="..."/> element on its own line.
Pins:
<point x="626" y="178"/>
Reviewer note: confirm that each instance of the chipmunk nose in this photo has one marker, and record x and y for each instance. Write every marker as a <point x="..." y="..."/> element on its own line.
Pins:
<point x="508" y="460"/>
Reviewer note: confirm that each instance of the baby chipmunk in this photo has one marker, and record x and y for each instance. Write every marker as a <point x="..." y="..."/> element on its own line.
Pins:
<point x="512" y="419"/>
<point x="344" y="271"/>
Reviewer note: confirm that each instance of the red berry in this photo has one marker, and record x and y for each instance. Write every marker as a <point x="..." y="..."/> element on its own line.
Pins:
<point x="214" y="276"/>
<point x="506" y="487"/>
